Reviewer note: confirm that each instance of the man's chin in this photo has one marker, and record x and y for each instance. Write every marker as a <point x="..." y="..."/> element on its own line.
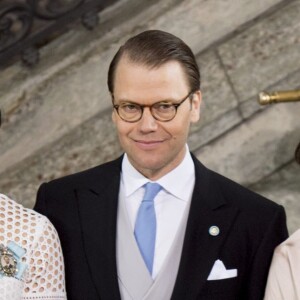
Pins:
<point x="152" y="169"/>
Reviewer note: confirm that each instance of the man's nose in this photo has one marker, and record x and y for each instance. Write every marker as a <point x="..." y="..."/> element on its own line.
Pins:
<point x="147" y="123"/>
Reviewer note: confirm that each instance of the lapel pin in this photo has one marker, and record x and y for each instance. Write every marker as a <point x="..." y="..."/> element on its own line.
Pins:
<point x="214" y="230"/>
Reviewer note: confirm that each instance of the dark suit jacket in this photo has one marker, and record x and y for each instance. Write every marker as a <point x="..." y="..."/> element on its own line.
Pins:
<point x="83" y="208"/>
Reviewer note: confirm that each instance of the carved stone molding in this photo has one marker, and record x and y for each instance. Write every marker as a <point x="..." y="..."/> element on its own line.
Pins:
<point x="27" y="24"/>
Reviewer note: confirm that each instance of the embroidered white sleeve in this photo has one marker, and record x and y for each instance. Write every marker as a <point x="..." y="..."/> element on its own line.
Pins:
<point x="44" y="278"/>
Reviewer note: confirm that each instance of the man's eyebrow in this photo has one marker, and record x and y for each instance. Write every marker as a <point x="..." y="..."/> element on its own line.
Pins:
<point x="159" y="101"/>
<point x="127" y="101"/>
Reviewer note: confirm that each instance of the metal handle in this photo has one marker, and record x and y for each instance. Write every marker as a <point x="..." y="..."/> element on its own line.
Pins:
<point x="280" y="96"/>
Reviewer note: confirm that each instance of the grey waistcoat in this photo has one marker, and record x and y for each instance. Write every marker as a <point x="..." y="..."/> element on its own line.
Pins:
<point x="135" y="282"/>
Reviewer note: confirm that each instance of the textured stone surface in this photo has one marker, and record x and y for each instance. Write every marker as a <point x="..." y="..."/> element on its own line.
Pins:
<point x="265" y="53"/>
<point x="213" y="130"/>
<point x="90" y="144"/>
<point x="217" y="95"/>
<point x="201" y="23"/>
<point x="257" y="147"/>
<point x="65" y="102"/>
<point x="219" y="110"/>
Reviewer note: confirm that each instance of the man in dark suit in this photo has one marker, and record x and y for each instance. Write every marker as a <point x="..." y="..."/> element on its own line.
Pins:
<point x="198" y="236"/>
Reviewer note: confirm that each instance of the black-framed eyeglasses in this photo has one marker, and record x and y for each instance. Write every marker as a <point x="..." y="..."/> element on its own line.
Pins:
<point x="163" y="111"/>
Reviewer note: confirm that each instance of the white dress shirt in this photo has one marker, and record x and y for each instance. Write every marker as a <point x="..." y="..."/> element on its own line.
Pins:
<point x="170" y="202"/>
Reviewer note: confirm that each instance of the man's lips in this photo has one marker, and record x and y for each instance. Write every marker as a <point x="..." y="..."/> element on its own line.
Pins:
<point x="145" y="144"/>
<point x="148" y="142"/>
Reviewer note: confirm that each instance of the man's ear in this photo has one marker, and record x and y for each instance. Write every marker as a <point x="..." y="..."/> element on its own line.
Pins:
<point x="196" y="103"/>
<point x="113" y="115"/>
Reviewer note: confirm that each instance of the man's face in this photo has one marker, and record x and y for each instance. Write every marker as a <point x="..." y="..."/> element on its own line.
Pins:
<point x="153" y="147"/>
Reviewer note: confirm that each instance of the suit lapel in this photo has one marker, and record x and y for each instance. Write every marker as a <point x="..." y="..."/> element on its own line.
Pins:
<point x="97" y="208"/>
<point x="200" y="249"/>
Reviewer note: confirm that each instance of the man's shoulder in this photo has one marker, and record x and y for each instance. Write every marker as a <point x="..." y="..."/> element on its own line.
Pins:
<point x="244" y="197"/>
<point x="236" y="194"/>
<point x="87" y="177"/>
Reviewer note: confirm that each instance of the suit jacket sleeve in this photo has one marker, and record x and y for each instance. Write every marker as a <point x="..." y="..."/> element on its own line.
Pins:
<point x="40" y="204"/>
<point x="274" y="235"/>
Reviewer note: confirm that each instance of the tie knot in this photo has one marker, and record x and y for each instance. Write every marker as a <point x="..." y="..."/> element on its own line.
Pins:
<point x="152" y="190"/>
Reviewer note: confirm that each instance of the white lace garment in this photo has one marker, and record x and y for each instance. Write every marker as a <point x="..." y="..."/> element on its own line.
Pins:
<point x="44" y="276"/>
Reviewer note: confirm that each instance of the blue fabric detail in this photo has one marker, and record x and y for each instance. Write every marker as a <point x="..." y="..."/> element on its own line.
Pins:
<point x="17" y="252"/>
<point x="145" y="225"/>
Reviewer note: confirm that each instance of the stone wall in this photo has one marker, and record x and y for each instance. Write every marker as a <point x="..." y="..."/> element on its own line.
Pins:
<point x="57" y="116"/>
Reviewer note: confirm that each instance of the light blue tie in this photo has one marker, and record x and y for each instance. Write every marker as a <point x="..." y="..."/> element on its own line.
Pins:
<point x="145" y="225"/>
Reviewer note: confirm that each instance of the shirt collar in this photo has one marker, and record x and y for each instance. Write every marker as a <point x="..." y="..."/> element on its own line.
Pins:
<point x="131" y="178"/>
<point x="175" y="182"/>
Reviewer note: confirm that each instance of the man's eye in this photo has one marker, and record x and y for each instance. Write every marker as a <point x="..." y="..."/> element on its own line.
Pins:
<point x="130" y="107"/>
<point x="163" y="107"/>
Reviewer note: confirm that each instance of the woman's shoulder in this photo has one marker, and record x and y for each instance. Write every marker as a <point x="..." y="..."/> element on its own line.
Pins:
<point x="20" y="224"/>
<point x="9" y="207"/>
<point x="290" y="245"/>
<point x="34" y="236"/>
